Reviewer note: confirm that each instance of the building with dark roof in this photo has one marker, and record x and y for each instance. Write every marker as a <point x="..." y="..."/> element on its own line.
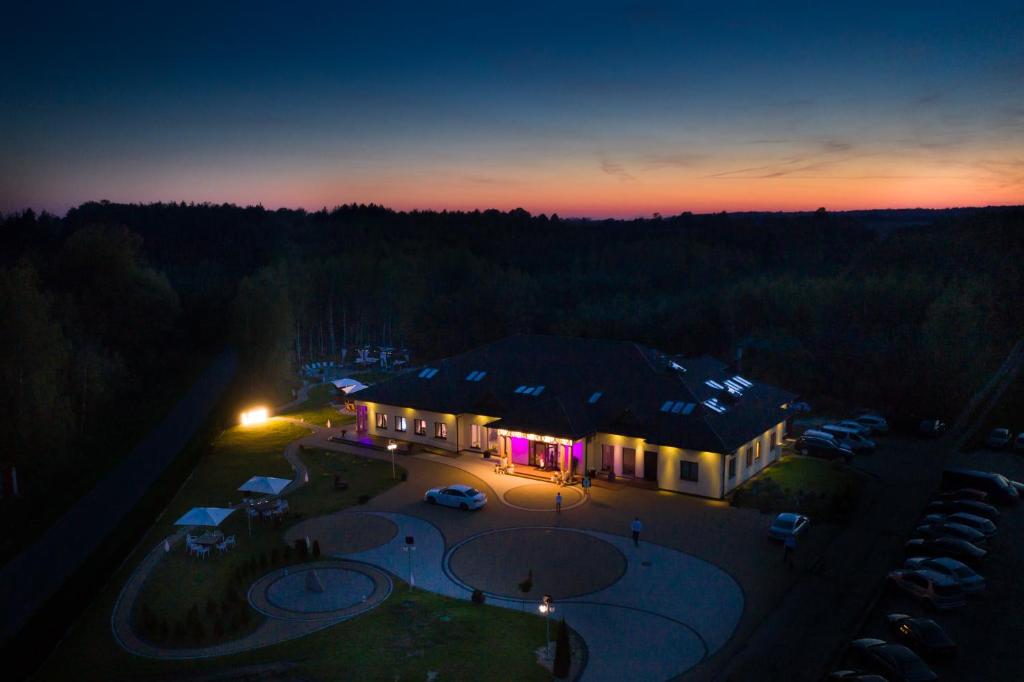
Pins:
<point x="614" y="408"/>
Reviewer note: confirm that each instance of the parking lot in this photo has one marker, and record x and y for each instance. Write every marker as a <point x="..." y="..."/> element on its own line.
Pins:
<point x="988" y="630"/>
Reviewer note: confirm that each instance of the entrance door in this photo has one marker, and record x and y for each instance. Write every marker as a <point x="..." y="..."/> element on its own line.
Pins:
<point x="361" y="418"/>
<point x="628" y="461"/>
<point x="651" y="465"/>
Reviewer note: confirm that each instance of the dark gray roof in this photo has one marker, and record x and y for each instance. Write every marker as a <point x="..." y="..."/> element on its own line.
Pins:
<point x="635" y="382"/>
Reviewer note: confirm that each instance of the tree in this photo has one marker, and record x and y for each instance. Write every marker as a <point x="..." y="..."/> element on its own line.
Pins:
<point x="563" y="652"/>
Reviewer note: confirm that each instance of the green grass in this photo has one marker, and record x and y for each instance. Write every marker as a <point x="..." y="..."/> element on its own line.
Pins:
<point x="239" y="453"/>
<point x="317" y="408"/>
<point x="827" y="491"/>
<point x="395" y="641"/>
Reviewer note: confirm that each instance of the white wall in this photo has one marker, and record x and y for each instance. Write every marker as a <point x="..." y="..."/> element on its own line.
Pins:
<point x="409" y="435"/>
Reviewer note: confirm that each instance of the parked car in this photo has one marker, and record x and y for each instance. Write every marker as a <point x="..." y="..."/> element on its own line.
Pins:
<point x="855" y="676"/>
<point x="923" y="635"/>
<point x="862" y="429"/>
<point x="986" y="511"/>
<point x="787" y="524"/>
<point x="949" y="529"/>
<point x="821" y="447"/>
<point x="970" y="582"/>
<point x="998" y="487"/>
<point x="895" y="661"/>
<point x="998" y="439"/>
<point x="961" y="494"/>
<point x="875" y="422"/>
<point x="931" y="428"/>
<point x="848" y="438"/>
<point x="934" y="589"/>
<point x="961" y="550"/>
<point x="978" y="523"/>
<point x="460" y="496"/>
<point x="1018" y="443"/>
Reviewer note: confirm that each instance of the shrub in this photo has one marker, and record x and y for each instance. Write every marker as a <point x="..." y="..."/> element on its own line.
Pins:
<point x="364" y="498"/>
<point x="244" y="615"/>
<point x="275" y="557"/>
<point x="231" y="596"/>
<point x="404" y="476"/>
<point x="199" y="631"/>
<point x="478" y="597"/>
<point x="211" y="607"/>
<point x="164" y="630"/>
<point x="316" y="549"/>
<point x="263" y="560"/>
<point x="218" y="628"/>
<point x="563" y="652"/>
<point x="179" y="632"/>
<point x="301" y="549"/>
<point x="527" y="585"/>
<point x="287" y="553"/>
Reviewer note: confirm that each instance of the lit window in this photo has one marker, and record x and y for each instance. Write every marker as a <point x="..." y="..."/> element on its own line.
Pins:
<point x="382" y="420"/>
<point x="595" y="396"/>
<point x="732" y="467"/>
<point x="400" y="424"/>
<point x="757" y="450"/>
<point x="521" y="389"/>
<point x="420" y="426"/>
<point x="441" y="430"/>
<point x="750" y="457"/>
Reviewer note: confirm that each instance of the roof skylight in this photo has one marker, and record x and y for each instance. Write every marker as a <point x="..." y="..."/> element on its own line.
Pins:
<point x="594" y="397"/>
<point x="475" y="375"/>
<point x="714" y="384"/>
<point x="428" y="373"/>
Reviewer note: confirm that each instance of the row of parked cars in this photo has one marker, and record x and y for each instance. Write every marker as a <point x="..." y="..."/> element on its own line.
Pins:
<point x="842" y="439"/>
<point x="1002" y="438"/>
<point x="941" y="571"/>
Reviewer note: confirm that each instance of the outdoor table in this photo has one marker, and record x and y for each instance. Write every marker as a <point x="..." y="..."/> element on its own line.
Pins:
<point x="210" y="539"/>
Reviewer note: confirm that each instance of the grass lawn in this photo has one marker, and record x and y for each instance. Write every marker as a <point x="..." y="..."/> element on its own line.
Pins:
<point x="821" y="489"/>
<point x="317" y="408"/>
<point x="398" y="640"/>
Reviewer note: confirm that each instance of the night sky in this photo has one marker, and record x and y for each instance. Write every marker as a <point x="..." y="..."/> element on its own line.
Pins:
<point x="584" y="109"/>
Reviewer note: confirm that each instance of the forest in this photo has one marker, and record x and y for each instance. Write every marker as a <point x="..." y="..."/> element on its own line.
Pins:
<point x="108" y="310"/>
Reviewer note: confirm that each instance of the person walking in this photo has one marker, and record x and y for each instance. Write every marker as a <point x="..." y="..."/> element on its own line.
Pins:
<point x="586" y="486"/>
<point x="558" y="502"/>
<point x="789" y="548"/>
<point x="636" y="527"/>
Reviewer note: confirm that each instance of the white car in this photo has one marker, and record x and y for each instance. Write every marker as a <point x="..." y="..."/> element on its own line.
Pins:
<point x="461" y="496"/>
<point x="787" y="524"/>
<point x="969" y="581"/>
<point x="876" y="423"/>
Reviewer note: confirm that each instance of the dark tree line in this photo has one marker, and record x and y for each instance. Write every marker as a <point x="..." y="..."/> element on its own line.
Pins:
<point x="101" y="305"/>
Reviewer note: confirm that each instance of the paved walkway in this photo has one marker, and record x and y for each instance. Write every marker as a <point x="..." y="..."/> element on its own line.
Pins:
<point x="665" y="614"/>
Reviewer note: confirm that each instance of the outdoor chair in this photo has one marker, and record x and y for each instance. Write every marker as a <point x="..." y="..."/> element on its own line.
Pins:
<point x="253" y="513"/>
<point x="202" y="551"/>
<point x="222" y="546"/>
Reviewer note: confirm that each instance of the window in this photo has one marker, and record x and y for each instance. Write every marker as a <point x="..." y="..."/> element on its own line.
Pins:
<point x="400" y="424"/>
<point x="474" y="436"/>
<point x="420" y="426"/>
<point x="688" y="471"/>
<point x="382" y="420"/>
<point x="732" y="468"/>
<point x="757" y="449"/>
<point x="607" y="457"/>
<point x="628" y="461"/>
<point x="441" y="430"/>
<point x="750" y="457"/>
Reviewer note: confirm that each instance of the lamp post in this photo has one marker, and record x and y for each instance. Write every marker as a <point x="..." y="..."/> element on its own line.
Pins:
<point x="547" y="607"/>
<point x="392" y="446"/>
<point x="409" y="548"/>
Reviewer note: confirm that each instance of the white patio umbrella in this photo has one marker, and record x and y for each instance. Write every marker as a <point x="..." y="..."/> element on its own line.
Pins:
<point x="348" y="386"/>
<point x="204" y="516"/>
<point x="265" y="485"/>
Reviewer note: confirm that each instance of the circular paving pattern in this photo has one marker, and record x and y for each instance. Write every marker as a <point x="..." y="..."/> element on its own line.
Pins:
<point x="344" y="532"/>
<point x="541" y="496"/>
<point x="342" y="588"/>
<point x="348" y="589"/>
<point x="564" y="563"/>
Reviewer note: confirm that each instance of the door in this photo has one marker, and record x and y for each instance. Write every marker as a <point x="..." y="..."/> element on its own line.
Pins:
<point x="362" y="417"/>
<point x="651" y="465"/>
<point x="628" y="461"/>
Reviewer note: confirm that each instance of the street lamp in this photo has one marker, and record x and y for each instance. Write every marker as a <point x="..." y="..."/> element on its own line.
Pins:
<point x="547" y="607"/>
<point x="409" y="548"/>
<point x="392" y="446"/>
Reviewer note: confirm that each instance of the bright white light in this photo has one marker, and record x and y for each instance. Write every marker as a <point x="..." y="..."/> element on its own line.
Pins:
<point x="256" y="415"/>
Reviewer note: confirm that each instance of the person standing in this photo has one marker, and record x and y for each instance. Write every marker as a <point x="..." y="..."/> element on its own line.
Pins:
<point x="558" y="502"/>
<point x="789" y="549"/>
<point x="636" y="527"/>
<point x="586" y="486"/>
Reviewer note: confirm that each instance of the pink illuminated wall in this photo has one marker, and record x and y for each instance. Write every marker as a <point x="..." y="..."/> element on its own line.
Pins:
<point x="520" y="450"/>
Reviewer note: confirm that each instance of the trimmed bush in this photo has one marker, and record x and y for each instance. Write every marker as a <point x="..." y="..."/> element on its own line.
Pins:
<point x="179" y="632"/>
<point x="563" y="652"/>
<point x="527" y="585"/>
<point x="211" y="607"/>
<point x="316" y="549"/>
<point x="275" y="557"/>
<point x="301" y="549"/>
<point x="364" y="498"/>
<point x="287" y="553"/>
<point x="478" y="597"/>
<point x="263" y="561"/>
<point x="218" y="628"/>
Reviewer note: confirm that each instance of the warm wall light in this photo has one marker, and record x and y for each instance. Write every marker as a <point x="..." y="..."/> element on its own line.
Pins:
<point x="256" y="415"/>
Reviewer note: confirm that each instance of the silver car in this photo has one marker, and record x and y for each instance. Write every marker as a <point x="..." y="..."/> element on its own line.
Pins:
<point x="970" y="582"/>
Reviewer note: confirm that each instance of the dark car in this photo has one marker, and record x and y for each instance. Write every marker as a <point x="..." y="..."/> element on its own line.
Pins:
<point x="894" y="661"/>
<point x="923" y="635"/>
<point x="820" y="447"/>
<point x="985" y="511"/>
<point x="961" y="494"/>
<point x="978" y="523"/>
<point x="961" y="550"/>
<point x="998" y="487"/>
<point x="950" y="529"/>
